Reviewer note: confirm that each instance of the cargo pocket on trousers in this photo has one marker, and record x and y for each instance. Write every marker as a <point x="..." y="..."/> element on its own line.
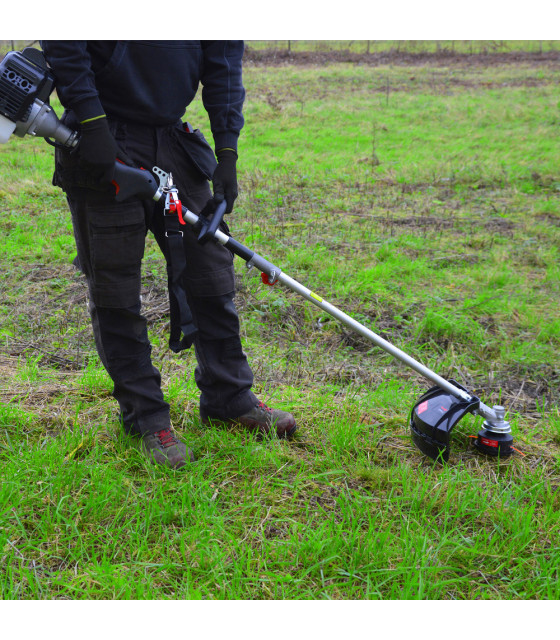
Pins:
<point x="118" y="235"/>
<point x="212" y="283"/>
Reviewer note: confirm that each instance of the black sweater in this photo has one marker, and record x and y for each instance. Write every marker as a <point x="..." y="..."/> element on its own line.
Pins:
<point x="151" y="82"/>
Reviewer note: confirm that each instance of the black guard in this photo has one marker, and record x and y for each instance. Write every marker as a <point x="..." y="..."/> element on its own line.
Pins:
<point x="433" y="417"/>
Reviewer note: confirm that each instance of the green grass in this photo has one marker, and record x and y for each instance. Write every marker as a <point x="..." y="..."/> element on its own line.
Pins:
<point x="421" y="200"/>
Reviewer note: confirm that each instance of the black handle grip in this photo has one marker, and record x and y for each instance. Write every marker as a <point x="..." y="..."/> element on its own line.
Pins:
<point x="130" y="181"/>
<point x="210" y="225"/>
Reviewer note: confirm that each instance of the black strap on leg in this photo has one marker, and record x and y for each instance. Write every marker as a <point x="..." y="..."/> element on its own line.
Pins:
<point x="180" y="315"/>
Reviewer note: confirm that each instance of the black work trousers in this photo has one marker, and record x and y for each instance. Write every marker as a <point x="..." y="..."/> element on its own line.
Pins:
<point x="110" y="239"/>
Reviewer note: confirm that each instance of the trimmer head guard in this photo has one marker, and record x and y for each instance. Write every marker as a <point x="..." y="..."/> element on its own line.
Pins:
<point x="433" y="417"/>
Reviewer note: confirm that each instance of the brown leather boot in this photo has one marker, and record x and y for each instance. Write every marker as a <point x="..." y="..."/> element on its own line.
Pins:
<point x="164" y="448"/>
<point x="260" y="420"/>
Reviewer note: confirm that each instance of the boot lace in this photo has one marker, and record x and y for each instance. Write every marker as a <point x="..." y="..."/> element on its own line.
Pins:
<point x="263" y="406"/>
<point x="166" y="438"/>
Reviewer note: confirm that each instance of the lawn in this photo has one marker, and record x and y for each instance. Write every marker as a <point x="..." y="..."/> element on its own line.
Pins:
<point x="421" y="197"/>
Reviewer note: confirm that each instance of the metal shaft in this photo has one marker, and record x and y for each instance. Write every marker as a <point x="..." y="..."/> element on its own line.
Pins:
<point x="373" y="337"/>
<point x="295" y="286"/>
<point x="312" y="297"/>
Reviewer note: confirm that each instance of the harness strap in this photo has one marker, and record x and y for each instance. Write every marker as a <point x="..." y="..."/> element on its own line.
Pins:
<point x="180" y="316"/>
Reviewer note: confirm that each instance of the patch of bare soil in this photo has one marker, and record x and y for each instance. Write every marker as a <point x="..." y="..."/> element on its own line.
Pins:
<point x="444" y="58"/>
<point x="14" y="388"/>
<point x="527" y="390"/>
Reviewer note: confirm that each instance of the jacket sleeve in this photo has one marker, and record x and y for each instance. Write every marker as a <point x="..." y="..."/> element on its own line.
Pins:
<point x="222" y="89"/>
<point x="75" y="81"/>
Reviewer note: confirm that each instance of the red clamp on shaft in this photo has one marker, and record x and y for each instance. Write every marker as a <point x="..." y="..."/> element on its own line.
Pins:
<point x="177" y="207"/>
<point x="265" y="279"/>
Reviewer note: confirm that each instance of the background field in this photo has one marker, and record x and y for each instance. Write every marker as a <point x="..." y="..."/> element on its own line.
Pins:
<point x="417" y="189"/>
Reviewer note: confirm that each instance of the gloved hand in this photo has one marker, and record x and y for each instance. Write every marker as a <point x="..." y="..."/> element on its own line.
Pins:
<point x="97" y="152"/>
<point x="224" y="179"/>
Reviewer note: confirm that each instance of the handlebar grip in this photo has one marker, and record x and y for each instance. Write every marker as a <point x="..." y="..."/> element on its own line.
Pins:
<point x="210" y="225"/>
<point x="130" y="181"/>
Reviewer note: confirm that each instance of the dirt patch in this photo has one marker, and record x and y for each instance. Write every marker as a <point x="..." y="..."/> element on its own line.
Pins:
<point x="12" y="387"/>
<point x="419" y="222"/>
<point x="493" y="225"/>
<point x="56" y="358"/>
<point x="550" y="218"/>
<point x="528" y="391"/>
<point x="275" y="57"/>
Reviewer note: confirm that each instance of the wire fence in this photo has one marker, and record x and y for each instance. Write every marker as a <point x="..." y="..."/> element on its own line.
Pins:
<point x="408" y="46"/>
<point x="371" y="46"/>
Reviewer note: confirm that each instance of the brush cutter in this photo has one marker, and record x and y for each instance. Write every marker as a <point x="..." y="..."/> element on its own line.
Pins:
<point x="25" y="86"/>
<point x="435" y="414"/>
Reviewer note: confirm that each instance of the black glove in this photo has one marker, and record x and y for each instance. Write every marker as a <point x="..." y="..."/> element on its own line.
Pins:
<point x="97" y="151"/>
<point x="224" y="179"/>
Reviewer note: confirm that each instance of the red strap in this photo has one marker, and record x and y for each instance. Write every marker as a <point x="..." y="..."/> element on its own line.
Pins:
<point x="180" y="212"/>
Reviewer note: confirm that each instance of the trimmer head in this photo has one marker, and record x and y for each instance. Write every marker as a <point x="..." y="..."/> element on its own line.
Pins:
<point x="433" y="417"/>
<point x="495" y="439"/>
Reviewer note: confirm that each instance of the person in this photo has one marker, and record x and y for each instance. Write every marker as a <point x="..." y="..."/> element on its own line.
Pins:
<point x="127" y="100"/>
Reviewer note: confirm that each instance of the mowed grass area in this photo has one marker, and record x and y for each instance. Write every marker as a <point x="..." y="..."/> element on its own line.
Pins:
<point x="422" y="200"/>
